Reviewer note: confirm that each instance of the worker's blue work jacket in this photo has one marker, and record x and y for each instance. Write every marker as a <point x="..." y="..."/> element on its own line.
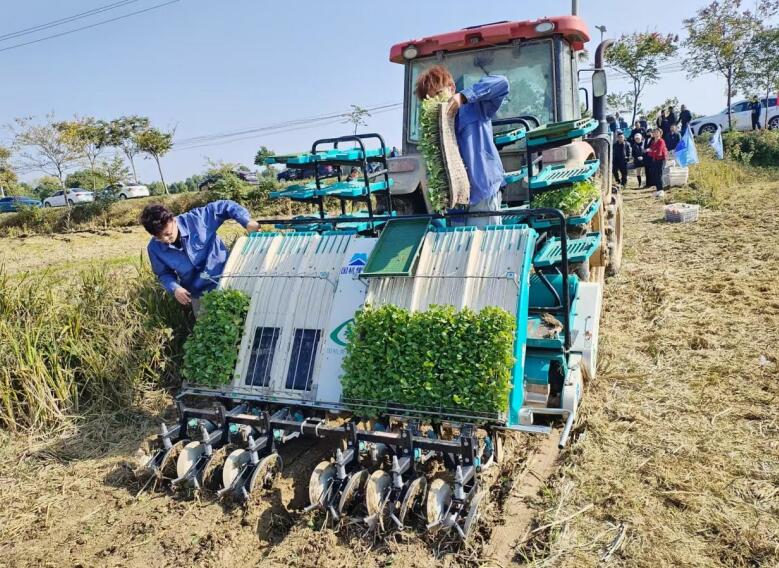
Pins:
<point x="474" y="136"/>
<point x="199" y="263"/>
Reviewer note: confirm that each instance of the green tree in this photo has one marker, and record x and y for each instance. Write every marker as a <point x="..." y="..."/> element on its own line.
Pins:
<point x="619" y="101"/>
<point x="762" y="69"/>
<point x="45" y="147"/>
<point x="46" y="186"/>
<point x="85" y="179"/>
<point x="121" y="134"/>
<point x="357" y="117"/>
<point x="114" y="171"/>
<point x="259" y="160"/>
<point x="8" y="180"/>
<point x="156" y="144"/>
<point x="720" y="38"/>
<point x="654" y="112"/>
<point x="637" y="57"/>
<point x="90" y="136"/>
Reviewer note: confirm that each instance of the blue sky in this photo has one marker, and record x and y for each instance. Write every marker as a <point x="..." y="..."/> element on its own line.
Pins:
<point x="206" y="67"/>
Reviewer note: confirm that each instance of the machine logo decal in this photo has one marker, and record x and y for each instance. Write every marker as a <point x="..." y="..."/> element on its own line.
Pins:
<point x="338" y="336"/>
<point x="356" y="264"/>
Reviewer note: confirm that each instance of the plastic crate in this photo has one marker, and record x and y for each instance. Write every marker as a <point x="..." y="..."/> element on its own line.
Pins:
<point x="681" y="212"/>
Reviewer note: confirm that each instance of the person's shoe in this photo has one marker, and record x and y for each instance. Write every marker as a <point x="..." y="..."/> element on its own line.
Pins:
<point x="659" y="194"/>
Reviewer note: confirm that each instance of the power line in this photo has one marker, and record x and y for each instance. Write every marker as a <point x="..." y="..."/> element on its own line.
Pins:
<point x="278" y="130"/>
<point x="89" y="26"/>
<point x="74" y="17"/>
<point x="285" y="126"/>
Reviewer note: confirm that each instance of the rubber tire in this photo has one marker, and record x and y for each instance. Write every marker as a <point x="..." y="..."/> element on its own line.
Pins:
<point x="615" y="223"/>
<point x="122" y="197"/>
<point x="71" y="202"/>
<point x="707" y="128"/>
<point x="47" y="205"/>
<point x="773" y="123"/>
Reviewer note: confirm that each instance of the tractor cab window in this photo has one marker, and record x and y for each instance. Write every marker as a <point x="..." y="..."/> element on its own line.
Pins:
<point x="527" y="66"/>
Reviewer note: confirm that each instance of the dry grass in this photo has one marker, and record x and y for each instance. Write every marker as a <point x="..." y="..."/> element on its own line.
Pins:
<point x="678" y="446"/>
<point x="674" y="460"/>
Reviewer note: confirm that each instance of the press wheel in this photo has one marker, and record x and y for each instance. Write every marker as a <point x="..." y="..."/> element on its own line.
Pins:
<point x="212" y="474"/>
<point x="321" y="479"/>
<point x="473" y="514"/>
<point x="169" y="462"/>
<point x="376" y="491"/>
<point x="354" y="485"/>
<point x="188" y="456"/>
<point x="266" y="472"/>
<point x="439" y="500"/>
<point x="232" y="466"/>
<point x="413" y="497"/>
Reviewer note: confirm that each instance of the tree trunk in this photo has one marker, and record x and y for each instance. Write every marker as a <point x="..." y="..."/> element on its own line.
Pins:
<point x="635" y="104"/>
<point x="132" y="165"/>
<point x="730" y="95"/>
<point x="159" y="167"/>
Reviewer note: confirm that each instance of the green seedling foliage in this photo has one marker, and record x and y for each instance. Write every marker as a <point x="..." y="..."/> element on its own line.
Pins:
<point x="211" y="351"/>
<point x="430" y="148"/>
<point x="440" y="358"/>
<point x="572" y="200"/>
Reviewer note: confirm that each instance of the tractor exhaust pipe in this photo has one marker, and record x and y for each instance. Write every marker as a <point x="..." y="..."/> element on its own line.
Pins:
<point x="599" y="89"/>
<point x="574" y="7"/>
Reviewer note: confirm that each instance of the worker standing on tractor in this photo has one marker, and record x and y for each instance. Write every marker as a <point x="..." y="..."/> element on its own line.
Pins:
<point x="658" y="152"/>
<point x="474" y="108"/>
<point x="186" y="254"/>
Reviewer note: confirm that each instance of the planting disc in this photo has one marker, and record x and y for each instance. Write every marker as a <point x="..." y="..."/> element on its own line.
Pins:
<point x="376" y="491"/>
<point x="439" y="499"/>
<point x="212" y="473"/>
<point x="233" y="464"/>
<point x="414" y="495"/>
<point x="265" y="472"/>
<point x="473" y="513"/>
<point x="168" y="465"/>
<point x="354" y="485"/>
<point x="188" y="456"/>
<point x="321" y="479"/>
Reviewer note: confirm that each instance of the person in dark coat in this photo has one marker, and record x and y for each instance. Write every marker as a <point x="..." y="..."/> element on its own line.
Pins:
<point x="685" y="117"/>
<point x="637" y="129"/>
<point x="755" y="107"/>
<point x="672" y="120"/>
<point x="644" y="123"/>
<point x="673" y="139"/>
<point x="637" y="150"/>
<point x="612" y="124"/>
<point x="620" y="157"/>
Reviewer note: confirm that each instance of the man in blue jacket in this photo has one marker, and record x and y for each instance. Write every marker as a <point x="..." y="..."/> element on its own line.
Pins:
<point x="474" y="107"/>
<point x="186" y="254"/>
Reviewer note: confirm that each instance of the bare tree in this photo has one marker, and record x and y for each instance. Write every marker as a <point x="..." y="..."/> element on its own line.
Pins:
<point x="45" y="147"/>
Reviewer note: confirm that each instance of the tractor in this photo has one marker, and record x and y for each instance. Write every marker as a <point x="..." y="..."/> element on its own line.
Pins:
<point x="310" y="275"/>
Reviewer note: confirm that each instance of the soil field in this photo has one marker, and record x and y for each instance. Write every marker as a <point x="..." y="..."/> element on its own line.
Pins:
<point x="674" y="460"/>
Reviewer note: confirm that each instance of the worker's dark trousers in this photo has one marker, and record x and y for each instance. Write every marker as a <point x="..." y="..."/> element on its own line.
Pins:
<point x="657" y="174"/>
<point x="620" y="173"/>
<point x="755" y="122"/>
<point x="650" y="171"/>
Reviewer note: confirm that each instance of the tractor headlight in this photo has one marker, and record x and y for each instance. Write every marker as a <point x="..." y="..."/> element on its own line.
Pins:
<point x="545" y="27"/>
<point x="410" y="52"/>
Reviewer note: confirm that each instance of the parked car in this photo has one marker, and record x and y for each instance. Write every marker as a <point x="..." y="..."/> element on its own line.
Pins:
<point x="291" y="174"/>
<point x="11" y="204"/>
<point x="124" y="190"/>
<point x="742" y="117"/>
<point x="242" y="172"/>
<point x="74" y="196"/>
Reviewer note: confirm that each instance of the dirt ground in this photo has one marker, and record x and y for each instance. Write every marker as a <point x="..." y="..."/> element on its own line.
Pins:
<point x="674" y="460"/>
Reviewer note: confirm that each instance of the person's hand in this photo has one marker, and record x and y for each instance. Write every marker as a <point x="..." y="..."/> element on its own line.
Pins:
<point x="455" y="103"/>
<point x="183" y="296"/>
<point x="252" y="227"/>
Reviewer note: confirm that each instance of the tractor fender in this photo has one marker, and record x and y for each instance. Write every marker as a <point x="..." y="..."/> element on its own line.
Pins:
<point x="572" y="155"/>
<point x="408" y="173"/>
